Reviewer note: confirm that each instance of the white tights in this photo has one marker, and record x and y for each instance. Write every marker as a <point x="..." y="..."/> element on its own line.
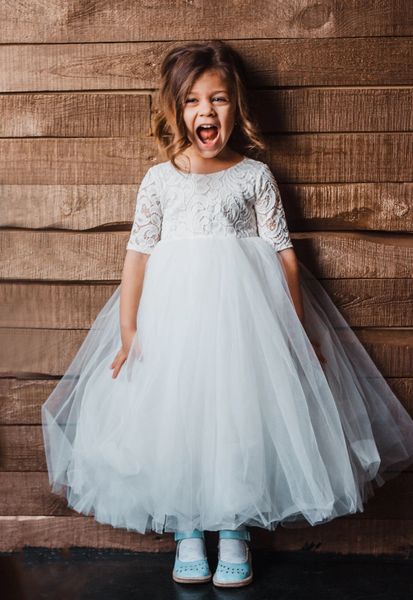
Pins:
<point x="230" y="550"/>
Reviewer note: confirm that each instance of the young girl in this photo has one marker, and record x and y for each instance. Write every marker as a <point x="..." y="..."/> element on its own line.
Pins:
<point x="219" y="387"/>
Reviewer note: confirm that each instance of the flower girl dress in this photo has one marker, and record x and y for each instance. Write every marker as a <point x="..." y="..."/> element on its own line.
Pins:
<point x="222" y="414"/>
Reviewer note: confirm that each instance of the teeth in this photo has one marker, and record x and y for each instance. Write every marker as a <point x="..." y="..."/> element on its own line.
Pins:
<point x="207" y="126"/>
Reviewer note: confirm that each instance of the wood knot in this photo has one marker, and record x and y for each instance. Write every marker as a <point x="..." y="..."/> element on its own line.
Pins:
<point x="314" y="16"/>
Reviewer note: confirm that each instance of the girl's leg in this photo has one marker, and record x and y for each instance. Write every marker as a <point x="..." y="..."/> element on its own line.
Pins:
<point x="192" y="549"/>
<point x="233" y="550"/>
<point x="191" y="563"/>
<point x="234" y="568"/>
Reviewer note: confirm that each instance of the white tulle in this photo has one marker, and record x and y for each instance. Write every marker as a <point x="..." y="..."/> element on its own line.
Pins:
<point x="222" y="414"/>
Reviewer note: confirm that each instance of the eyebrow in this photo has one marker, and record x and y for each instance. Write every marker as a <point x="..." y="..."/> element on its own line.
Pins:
<point x="214" y="92"/>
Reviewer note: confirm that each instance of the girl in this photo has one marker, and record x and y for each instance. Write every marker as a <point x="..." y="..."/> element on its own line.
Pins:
<point x="231" y="392"/>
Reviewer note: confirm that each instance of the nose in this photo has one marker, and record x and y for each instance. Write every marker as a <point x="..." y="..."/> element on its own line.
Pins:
<point x="206" y="108"/>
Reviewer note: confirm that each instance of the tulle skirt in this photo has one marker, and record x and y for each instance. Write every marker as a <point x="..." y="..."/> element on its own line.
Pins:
<point x="222" y="414"/>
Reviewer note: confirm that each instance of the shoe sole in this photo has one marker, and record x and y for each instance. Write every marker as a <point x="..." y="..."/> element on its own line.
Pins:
<point x="191" y="579"/>
<point x="234" y="583"/>
<point x="240" y="583"/>
<point x="178" y="579"/>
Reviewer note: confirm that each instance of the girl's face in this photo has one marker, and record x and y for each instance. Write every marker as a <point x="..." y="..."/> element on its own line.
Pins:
<point x="209" y="102"/>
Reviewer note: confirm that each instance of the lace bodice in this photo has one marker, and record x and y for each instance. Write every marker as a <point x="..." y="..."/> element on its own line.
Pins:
<point x="242" y="201"/>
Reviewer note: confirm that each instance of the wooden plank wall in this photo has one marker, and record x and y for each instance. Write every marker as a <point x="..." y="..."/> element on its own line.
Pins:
<point x="333" y="90"/>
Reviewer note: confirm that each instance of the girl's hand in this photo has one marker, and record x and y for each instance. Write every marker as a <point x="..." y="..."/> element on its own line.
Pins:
<point x="122" y="355"/>
<point x="317" y="350"/>
<point x="116" y="365"/>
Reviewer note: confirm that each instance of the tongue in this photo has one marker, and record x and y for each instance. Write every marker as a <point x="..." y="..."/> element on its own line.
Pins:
<point x="207" y="134"/>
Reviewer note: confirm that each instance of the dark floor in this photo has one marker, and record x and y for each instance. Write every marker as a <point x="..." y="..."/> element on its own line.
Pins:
<point x="84" y="574"/>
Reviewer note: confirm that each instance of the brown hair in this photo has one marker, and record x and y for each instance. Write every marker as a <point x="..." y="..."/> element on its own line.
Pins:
<point x="180" y="67"/>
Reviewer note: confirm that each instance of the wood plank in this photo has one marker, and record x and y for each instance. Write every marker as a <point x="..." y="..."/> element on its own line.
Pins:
<point x="76" y="161"/>
<point x="66" y="256"/>
<point x="75" y="115"/>
<point x="344" y="535"/>
<point x="341" y="158"/>
<point x="48" y="352"/>
<point x="50" y="255"/>
<point x="62" y="532"/>
<point x="270" y="62"/>
<point x="306" y="158"/>
<point x="21" y="399"/>
<point x="29" y="494"/>
<point x="22" y="448"/>
<point x="76" y="207"/>
<point x="110" y="114"/>
<point x="327" y="207"/>
<point x="285" y="19"/>
<point x="362" y="302"/>
<point x="403" y="389"/>
<point x="23" y="445"/>
<point x="344" y="255"/>
<point x="391" y="349"/>
<point x="37" y="352"/>
<point x="53" y="306"/>
<point x="372" y="302"/>
<point x="333" y="109"/>
<point x="340" y="207"/>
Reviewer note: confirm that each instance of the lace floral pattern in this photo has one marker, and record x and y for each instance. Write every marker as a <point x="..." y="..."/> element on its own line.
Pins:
<point x="241" y="201"/>
<point x="271" y="221"/>
<point x="147" y="224"/>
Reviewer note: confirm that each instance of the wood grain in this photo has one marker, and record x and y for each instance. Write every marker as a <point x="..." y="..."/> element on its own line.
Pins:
<point x="31" y="23"/>
<point x="48" y="352"/>
<point x="332" y="88"/>
<point x="345" y="535"/>
<point x="22" y="449"/>
<point x="362" y="302"/>
<point x="66" y="256"/>
<point x="62" y="532"/>
<point x="29" y="494"/>
<point x="270" y="62"/>
<point x="21" y="399"/>
<point x="111" y="114"/>
<point x="71" y="207"/>
<point x="306" y="158"/>
<point x="320" y="206"/>
<point x="75" y="115"/>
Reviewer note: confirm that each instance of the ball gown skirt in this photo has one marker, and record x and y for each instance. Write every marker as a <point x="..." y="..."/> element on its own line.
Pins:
<point x="222" y="414"/>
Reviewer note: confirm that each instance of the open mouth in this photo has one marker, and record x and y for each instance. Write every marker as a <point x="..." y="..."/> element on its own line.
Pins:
<point x="207" y="135"/>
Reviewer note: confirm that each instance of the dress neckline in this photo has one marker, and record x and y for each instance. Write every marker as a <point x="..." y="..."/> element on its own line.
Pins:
<point x="213" y="172"/>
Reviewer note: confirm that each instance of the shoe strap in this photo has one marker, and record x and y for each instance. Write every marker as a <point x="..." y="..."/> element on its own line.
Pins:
<point x="234" y="534"/>
<point x="183" y="535"/>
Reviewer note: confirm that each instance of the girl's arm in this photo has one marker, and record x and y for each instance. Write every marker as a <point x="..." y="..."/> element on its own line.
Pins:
<point x="272" y="227"/>
<point x="145" y="234"/>
<point x="130" y="293"/>
<point x="292" y="271"/>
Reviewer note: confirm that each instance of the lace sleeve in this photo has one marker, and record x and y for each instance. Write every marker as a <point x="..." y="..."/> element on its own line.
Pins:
<point x="147" y="224"/>
<point x="269" y="210"/>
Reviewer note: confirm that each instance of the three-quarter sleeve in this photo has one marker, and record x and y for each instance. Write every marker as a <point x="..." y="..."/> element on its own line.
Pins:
<point x="271" y="222"/>
<point x="147" y="224"/>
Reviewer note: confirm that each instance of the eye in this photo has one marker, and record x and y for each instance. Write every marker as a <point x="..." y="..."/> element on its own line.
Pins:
<point x="188" y="100"/>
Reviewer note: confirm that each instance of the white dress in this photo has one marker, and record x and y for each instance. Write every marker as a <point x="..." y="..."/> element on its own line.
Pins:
<point x="222" y="414"/>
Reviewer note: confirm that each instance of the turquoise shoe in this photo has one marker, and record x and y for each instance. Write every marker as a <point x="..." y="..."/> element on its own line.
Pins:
<point x="194" y="571"/>
<point x="230" y="574"/>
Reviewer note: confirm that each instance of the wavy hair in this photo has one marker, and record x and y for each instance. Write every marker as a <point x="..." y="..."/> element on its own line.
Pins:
<point x="180" y="67"/>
